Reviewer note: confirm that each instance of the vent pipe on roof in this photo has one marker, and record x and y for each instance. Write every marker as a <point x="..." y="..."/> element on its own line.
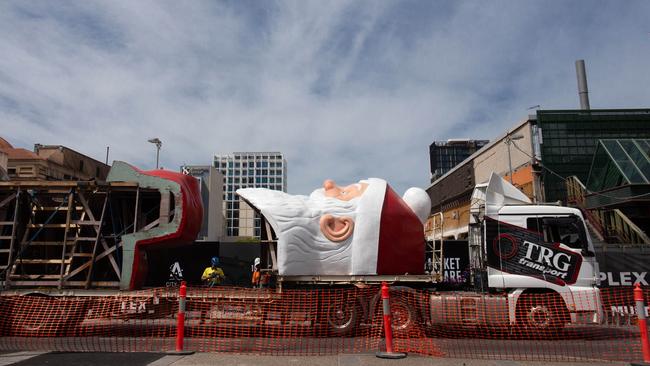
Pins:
<point x="583" y="91"/>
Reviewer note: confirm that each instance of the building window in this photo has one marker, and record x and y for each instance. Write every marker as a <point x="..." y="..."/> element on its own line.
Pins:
<point x="28" y="170"/>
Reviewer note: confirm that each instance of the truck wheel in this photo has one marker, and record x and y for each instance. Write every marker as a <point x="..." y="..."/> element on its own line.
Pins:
<point x="541" y="312"/>
<point x="47" y="324"/>
<point x="403" y="316"/>
<point x="342" y="318"/>
<point x="38" y="318"/>
<point x="49" y="317"/>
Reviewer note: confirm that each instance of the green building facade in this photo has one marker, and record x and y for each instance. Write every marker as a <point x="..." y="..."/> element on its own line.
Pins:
<point x="569" y="139"/>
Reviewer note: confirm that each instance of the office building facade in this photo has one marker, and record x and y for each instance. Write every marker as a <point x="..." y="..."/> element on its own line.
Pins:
<point x="445" y="155"/>
<point x="248" y="170"/>
<point x="211" y="187"/>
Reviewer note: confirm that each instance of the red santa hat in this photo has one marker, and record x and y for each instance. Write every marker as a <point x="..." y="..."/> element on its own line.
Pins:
<point x="388" y="236"/>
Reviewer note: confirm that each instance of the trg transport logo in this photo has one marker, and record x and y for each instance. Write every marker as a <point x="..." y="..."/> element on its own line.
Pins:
<point x="517" y="250"/>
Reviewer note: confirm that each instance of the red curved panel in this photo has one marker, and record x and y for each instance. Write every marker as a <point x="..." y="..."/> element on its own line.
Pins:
<point x="191" y="211"/>
<point x="401" y="240"/>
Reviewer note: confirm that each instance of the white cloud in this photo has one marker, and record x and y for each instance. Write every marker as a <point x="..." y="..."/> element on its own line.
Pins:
<point x="346" y="90"/>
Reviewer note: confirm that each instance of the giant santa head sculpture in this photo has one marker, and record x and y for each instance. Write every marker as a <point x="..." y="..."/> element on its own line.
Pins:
<point x="361" y="229"/>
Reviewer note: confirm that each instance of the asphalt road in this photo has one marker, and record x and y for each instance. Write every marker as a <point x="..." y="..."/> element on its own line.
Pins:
<point x="601" y="350"/>
<point x="160" y="359"/>
<point x="574" y="344"/>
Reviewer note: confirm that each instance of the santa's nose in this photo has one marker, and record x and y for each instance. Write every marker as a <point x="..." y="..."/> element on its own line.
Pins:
<point x="329" y="184"/>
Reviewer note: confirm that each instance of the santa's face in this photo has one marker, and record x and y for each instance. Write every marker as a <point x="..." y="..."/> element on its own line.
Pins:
<point x="315" y="232"/>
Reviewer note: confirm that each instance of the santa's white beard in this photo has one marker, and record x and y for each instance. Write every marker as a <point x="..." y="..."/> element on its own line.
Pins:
<point x="302" y="248"/>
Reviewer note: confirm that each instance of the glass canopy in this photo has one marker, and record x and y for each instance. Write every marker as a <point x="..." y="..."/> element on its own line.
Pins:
<point x="618" y="162"/>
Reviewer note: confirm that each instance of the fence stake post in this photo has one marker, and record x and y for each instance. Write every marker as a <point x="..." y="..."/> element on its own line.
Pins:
<point x="180" y="324"/>
<point x="388" y="326"/>
<point x="643" y="328"/>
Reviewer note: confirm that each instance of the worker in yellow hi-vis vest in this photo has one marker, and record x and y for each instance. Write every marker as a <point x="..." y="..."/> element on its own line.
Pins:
<point x="213" y="275"/>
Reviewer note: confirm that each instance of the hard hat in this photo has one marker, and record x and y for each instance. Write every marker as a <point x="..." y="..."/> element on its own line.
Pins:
<point x="257" y="261"/>
<point x="214" y="261"/>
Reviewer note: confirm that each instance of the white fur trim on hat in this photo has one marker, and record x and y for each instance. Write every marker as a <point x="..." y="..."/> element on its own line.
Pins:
<point x="419" y="201"/>
<point x="365" y="242"/>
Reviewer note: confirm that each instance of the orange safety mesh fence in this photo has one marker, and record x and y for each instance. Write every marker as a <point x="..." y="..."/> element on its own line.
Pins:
<point x="136" y="321"/>
<point x="531" y="326"/>
<point x="294" y="322"/>
<point x="220" y="319"/>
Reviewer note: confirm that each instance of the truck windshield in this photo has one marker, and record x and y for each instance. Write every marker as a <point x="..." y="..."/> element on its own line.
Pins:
<point x="566" y="230"/>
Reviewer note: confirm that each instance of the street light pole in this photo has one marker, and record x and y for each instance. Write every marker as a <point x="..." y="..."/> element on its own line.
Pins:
<point x="509" y="140"/>
<point x="158" y="144"/>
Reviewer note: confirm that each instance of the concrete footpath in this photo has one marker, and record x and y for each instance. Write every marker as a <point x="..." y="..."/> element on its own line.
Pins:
<point x="222" y="359"/>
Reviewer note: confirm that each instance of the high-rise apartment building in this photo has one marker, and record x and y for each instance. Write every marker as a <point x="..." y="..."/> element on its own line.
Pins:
<point x="248" y="170"/>
<point x="445" y="155"/>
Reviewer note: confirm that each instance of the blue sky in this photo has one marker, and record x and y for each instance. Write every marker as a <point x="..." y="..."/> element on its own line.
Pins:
<point x="345" y="89"/>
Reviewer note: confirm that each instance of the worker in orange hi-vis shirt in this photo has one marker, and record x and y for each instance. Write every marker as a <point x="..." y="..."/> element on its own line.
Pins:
<point x="255" y="281"/>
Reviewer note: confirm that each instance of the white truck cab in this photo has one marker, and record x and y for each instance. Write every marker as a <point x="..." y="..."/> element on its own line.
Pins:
<point x="536" y="254"/>
<point x="565" y="261"/>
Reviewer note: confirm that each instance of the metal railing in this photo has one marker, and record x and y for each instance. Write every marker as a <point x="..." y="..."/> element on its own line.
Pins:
<point x="612" y="224"/>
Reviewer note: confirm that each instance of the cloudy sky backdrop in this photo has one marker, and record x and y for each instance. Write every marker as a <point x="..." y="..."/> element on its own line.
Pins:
<point x="345" y="89"/>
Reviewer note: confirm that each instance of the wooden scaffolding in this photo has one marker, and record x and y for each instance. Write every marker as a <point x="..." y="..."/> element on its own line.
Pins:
<point x="67" y="234"/>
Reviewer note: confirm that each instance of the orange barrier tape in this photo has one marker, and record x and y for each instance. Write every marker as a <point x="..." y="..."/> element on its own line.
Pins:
<point x="329" y="321"/>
